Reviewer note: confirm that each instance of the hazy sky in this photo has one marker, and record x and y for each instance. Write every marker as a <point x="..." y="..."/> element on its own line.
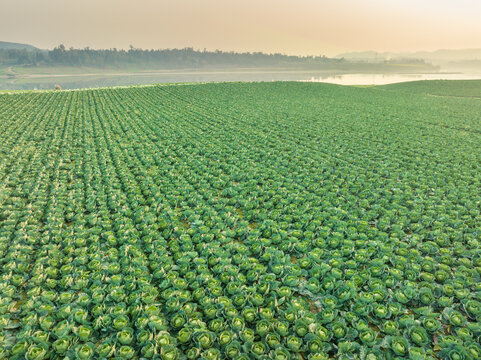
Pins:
<point x="308" y="27"/>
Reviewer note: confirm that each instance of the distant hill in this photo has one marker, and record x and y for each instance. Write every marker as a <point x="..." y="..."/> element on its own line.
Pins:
<point x="16" y="46"/>
<point x="436" y="57"/>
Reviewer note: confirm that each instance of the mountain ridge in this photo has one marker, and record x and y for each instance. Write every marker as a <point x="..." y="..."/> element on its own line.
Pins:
<point x="5" y="45"/>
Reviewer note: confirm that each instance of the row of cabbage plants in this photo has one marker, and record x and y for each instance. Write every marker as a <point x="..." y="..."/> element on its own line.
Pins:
<point x="238" y="221"/>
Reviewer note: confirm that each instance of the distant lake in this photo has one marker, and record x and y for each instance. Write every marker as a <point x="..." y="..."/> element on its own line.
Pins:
<point x="382" y="79"/>
<point x="78" y="81"/>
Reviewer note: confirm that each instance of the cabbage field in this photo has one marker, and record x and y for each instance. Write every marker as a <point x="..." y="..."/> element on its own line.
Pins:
<point x="241" y="221"/>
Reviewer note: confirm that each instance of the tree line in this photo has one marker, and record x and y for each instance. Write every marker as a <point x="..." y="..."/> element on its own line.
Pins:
<point x="166" y="58"/>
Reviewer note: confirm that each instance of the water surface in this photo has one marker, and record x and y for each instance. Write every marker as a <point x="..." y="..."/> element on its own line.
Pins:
<point x="383" y="79"/>
<point x="78" y="81"/>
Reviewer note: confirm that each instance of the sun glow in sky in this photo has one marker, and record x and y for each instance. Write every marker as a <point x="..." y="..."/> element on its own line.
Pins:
<point x="306" y="27"/>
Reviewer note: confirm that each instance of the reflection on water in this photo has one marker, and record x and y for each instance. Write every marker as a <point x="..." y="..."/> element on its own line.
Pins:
<point x="382" y="79"/>
<point x="92" y="81"/>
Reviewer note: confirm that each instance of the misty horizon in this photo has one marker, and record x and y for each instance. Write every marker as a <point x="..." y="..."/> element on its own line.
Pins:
<point x="324" y="38"/>
<point x="304" y="28"/>
<point x="203" y="49"/>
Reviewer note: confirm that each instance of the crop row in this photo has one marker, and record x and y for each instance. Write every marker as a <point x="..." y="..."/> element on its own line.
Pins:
<point x="267" y="221"/>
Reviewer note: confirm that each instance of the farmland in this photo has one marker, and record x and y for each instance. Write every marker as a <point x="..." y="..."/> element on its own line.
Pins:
<point x="241" y="221"/>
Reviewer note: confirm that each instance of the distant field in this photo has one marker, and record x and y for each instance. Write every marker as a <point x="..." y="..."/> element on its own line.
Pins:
<point x="278" y="220"/>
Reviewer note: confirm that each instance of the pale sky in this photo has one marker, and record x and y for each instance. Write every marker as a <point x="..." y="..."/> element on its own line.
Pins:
<point x="303" y="27"/>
